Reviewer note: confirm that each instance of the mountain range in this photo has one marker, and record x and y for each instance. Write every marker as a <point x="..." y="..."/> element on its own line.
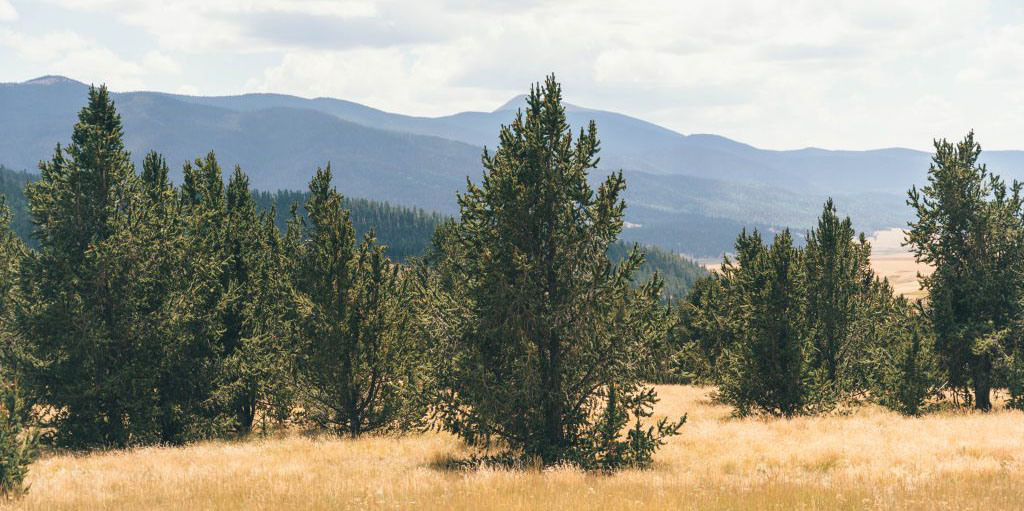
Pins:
<point x="687" y="193"/>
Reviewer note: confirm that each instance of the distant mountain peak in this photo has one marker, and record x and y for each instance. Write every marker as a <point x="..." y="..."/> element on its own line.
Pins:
<point x="51" y="80"/>
<point x="519" y="101"/>
<point x="515" y="103"/>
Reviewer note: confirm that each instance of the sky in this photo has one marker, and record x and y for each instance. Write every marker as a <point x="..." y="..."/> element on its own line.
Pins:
<point x="777" y="74"/>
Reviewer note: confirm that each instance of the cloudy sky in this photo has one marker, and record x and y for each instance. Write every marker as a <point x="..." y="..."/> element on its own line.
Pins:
<point x="776" y="74"/>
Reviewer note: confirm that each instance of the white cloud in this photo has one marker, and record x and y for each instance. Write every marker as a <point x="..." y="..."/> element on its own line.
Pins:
<point x="775" y="73"/>
<point x="68" y="53"/>
<point x="7" y="11"/>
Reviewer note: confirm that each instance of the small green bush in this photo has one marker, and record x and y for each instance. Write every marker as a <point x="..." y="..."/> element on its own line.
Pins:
<point x="19" y="445"/>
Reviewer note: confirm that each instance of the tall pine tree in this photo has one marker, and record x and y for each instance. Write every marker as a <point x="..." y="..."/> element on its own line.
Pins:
<point x="837" y="278"/>
<point x="767" y="368"/>
<point x="119" y="347"/>
<point x="540" y="336"/>
<point x="356" y="355"/>
<point x="87" y="348"/>
<point x="968" y="228"/>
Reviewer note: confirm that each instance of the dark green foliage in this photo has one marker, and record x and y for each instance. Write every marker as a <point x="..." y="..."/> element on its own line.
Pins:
<point x="767" y="367"/>
<point x="837" y="274"/>
<point x="357" y="355"/>
<point x="12" y="186"/>
<point x="405" y="232"/>
<point x="120" y="344"/>
<point x="676" y="272"/>
<point x="11" y="253"/>
<point x="846" y="308"/>
<point x="703" y="333"/>
<point x="79" y="308"/>
<point x="19" y="444"/>
<point x="250" y="299"/>
<point x="786" y="331"/>
<point x="906" y="370"/>
<point x="968" y="228"/>
<point x="606" y="448"/>
<point x="539" y="336"/>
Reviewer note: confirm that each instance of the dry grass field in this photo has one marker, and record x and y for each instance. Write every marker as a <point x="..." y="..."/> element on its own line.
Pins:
<point x="892" y="260"/>
<point x="872" y="459"/>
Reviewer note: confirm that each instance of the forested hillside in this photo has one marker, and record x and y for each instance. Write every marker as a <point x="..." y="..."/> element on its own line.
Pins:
<point x="403" y="230"/>
<point x="408" y="232"/>
<point x="686" y="193"/>
<point x="12" y="186"/>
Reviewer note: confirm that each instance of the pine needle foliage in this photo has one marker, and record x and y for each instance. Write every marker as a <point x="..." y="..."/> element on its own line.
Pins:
<point x="19" y="443"/>
<point x="539" y="337"/>
<point x="969" y="228"/>
<point x="357" y="357"/>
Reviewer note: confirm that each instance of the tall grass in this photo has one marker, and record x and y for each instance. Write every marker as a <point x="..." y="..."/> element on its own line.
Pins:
<point x="870" y="459"/>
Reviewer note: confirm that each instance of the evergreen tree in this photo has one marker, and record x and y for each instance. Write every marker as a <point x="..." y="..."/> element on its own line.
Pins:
<point x="257" y="373"/>
<point x="907" y="373"/>
<point x="968" y="228"/>
<point x="11" y="253"/>
<point x="12" y="186"/>
<point x="704" y="332"/>
<point x="767" y="370"/>
<point x="540" y="338"/>
<point x="256" y="306"/>
<point x="109" y="296"/>
<point x="89" y="354"/>
<point x="155" y="176"/>
<point x="837" y="277"/>
<point x="19" y="444"/>
<point x="356" y="355"/>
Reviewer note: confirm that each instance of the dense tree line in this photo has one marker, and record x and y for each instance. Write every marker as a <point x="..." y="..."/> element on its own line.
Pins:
<point x="785" y="330"/>
<point x="12" y="186"/>
<point x="404" y="232"/>
<point x="148" y="312"/>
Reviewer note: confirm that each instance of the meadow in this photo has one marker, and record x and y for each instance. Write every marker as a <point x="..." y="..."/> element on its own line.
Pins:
<point x="871" y="458"/>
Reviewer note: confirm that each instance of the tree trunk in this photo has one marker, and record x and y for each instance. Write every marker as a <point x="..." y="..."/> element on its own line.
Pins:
<point x="982" y="391"/>
<point x="246" y="412"/>
<point x="553" y="406"/>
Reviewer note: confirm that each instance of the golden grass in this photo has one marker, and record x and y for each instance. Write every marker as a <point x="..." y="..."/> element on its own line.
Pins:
<point x="871" y="459"/>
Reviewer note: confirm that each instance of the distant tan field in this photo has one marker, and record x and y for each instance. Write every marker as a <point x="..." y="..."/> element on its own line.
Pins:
<point x="891" y="260"/>
<point x="872" y="459"/>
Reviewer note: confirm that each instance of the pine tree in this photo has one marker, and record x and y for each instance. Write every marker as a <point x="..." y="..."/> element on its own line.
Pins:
<point x="767" y="369"/>
<point x="258" y="372"/>
<point x="155" y="176"/>
<point x="538" y="334"/>
<point x="83" y="338"/>
<point x="968" y="228"/>
<point x="838" y="276"/>
<point x="257" y="300"/>
<point x="19" y="444"/>
<point x="704" y="332"/>
<point x="905" y="368"/>
<point x="119" y="342"/>
<point x="356" y="356"/>
<point x="12" y="251"/>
